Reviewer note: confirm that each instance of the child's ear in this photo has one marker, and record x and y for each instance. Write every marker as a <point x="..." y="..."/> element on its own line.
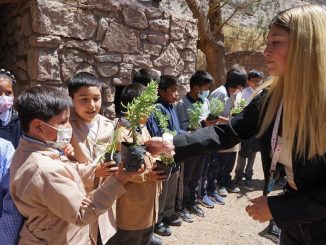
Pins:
<point x="36" y="126"/>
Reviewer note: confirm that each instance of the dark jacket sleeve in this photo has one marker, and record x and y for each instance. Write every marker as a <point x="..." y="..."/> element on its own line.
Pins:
<point x="220" y="137"/>
<point x="298" y="207"/>
<point x="204" y="140"/>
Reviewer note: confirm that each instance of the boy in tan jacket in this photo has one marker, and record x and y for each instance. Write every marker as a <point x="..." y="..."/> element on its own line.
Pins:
<point x="45" y="186"/>
<point x="89" y="130"/>
<point x="137" y="209"/>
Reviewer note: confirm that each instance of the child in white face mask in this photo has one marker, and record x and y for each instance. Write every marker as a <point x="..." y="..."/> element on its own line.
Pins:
<point x="9" y="122"/>
<point x="44" y="185"/>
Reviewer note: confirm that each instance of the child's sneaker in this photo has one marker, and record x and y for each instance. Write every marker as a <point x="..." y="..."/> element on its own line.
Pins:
<point x="233" y="188"/>
<point x="173" y="220"/>
<point x="196" y="210"/>
<point x="216" y="198"/>
<point x="223" y="192"/>
<point x="162" y="229"/>
<point x="186" y="216"/>
<point x="206" y="202"/>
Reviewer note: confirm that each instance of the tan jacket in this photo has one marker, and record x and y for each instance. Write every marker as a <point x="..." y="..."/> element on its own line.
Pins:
<point x="137" y="209"/>
<point x="86" y="152"/>
<point x="49" y="193"/>
<point x="85" y="147"/>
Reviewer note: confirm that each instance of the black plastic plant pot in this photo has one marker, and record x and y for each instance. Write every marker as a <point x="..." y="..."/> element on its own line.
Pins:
<point x="167" y="169"/>
<point x="116" y="157"/>
<point x="212" y="118"/>
<point x="132" y="156"/>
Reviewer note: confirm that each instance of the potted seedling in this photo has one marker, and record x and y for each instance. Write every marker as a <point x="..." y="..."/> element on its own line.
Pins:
<point x="132" y="153"/>
<point x="238" y="108"/>
<point x="164" y="163"/>
<point x="216" y="107"/>
<point x="194" y="115"/>
<point x="109" y="151"/>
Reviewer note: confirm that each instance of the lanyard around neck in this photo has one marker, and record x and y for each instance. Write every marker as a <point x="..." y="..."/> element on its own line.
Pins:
<point x="276" y="145"/>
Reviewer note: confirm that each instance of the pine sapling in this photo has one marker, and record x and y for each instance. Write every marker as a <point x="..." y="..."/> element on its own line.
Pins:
<point x="141" y="107"/>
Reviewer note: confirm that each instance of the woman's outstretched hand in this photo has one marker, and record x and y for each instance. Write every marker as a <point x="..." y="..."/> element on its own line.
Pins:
<point x="259" y="210"/>
<point x="158" y="145"/>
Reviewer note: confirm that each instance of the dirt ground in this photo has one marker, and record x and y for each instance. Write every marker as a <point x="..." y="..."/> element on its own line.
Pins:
<point x="226" y="224"/>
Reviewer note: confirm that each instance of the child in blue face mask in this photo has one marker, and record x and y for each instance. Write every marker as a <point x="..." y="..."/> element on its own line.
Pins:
<point x="9" y="122"/>
<point x="195" y="169"/>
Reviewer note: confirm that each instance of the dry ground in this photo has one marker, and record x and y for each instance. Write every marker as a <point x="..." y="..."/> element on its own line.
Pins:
<point x="228" y="224"/>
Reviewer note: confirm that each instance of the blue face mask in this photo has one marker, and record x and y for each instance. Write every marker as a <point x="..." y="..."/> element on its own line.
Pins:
<point x="203" y="94"/>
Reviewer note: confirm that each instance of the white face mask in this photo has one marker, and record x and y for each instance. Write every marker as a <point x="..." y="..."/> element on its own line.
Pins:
<point x="63" y="138"/>
<point x="6" y="103"/>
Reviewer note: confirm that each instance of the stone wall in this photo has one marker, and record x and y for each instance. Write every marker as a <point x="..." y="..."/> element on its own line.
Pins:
<point x="249" y="59"/>
<point x="15" y="26"/>
<point x="47" y="41"/>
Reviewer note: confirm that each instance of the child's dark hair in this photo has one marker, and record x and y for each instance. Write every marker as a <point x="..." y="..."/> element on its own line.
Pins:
<point x="200" y="78"/>
<point x="144" y="76"/>
<point x="255" y="74"/>
<point x="40" y="103"/>
<point x="7" y="75"/>
<point x="130" y="92"/>
<point x="167" y="81"/>
<point x="236" y="76"/>
<point x="82" y="79"/>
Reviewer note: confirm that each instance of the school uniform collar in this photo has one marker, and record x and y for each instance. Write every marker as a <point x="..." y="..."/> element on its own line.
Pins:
<point x="164" y="103"/>
<point x="192" y="100"/>
<point x="32" y="145"/>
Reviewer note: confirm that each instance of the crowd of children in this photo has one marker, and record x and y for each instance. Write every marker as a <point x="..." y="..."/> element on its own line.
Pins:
<point x="64" y="196"/>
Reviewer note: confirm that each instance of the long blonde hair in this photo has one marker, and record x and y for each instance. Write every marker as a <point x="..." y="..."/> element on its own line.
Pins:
<point x="303" y="86"/>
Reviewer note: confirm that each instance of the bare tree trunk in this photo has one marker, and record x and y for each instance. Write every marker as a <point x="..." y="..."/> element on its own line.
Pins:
<point x="216" y="65"/>
<point x="215" y="59"/>
<point x="210" y="41"/>
<point x="211" y="38"/>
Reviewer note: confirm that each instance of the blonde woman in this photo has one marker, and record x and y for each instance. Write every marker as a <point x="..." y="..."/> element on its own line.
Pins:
<point x="289" y="116"/>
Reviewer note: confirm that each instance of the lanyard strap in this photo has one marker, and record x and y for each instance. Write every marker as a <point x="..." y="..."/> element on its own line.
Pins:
<point x="276" y="146"/>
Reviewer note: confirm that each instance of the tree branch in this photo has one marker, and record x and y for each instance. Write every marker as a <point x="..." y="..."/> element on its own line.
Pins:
<point x="237" y="8"/>
<point x="203" y="24"/>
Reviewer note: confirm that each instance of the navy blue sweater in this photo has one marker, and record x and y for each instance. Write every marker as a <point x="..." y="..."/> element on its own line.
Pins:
<point x="167" y="109"/>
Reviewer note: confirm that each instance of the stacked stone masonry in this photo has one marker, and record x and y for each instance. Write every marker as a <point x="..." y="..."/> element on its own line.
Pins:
<point x="48" y="41"/>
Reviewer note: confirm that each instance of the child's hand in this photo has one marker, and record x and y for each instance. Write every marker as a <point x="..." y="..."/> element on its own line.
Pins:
<point x="123" y="176"/>
<point x="156" y="175"/>
<point x="106" y="169"/>
<point x="68" y="150"/>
